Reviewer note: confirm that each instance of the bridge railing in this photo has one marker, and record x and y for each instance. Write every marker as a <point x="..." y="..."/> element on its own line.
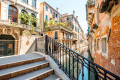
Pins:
<point x="76" y="66"/>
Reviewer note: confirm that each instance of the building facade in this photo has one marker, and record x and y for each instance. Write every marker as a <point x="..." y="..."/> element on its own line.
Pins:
<point x="12" y="27"/>
<point x="104" y="38"/>
<point x="77" y="32"/>
<point x="65" y="28"/>
<point x="48" y="13"/>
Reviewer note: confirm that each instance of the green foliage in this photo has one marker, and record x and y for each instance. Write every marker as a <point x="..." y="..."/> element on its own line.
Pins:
<point x="52" y="22"/>
<point x="28" y="19"/>
<point x="55" y="24"/>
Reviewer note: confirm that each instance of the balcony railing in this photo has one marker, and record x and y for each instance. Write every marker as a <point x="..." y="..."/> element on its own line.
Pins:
<point x="58" y="27"/>
<point x="14" y="24"/>
<point x="76" y="66"/>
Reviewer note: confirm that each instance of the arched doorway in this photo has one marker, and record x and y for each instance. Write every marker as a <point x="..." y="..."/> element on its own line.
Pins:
<point x="6" y="45"/>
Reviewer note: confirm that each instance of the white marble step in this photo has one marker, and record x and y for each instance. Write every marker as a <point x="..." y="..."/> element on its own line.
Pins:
<point x="20" y="68"/>
<point x="52" y="77"/>
<point x="18" y="58"/>
<point x="31" y="75"/>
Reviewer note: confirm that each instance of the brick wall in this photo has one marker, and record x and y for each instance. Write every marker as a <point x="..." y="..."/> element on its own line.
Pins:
<point x="110" y="62"/>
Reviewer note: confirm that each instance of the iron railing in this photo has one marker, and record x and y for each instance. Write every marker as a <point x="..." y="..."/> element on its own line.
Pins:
<point x="76" y="66"/>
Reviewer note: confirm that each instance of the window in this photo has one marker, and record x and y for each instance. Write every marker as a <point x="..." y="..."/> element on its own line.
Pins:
<point x="98" y="44"/>
<point x="51" y="11"/>
<point x="46" y="8"/>
<point x="67" y="35"/>
<point x="56" y="34"/>
<point x="75" y="28"/>
<point x="34" y="3"/>
<point x="78" y="30"/>
<point x="46" y="17"/>
<point x="56" y="15"/>
<point x="72" y="26"/>
<point x="25" y="1"/>
<point x="24" y="12"/>
<point x="33" y="22"/>
<point x="61" y="20"/>
<point x="50" y="18"/>
<point x="104" y="45"/>
<point x="24" y="21"/>
<point x="12" y="13"/>
<point x="67" y="18"/>
<point x="63" y="35"/>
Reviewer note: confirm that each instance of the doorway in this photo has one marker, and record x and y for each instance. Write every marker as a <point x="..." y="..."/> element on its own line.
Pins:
<point x="6" y="45"/>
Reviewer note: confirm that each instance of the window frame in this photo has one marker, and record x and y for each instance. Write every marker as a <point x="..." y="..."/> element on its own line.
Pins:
<point x="73" y="26"/>
<point x="46" y="17"/>
<point x="63" y="35"/>
<point x="98" y="50"/>
<point x="55" y="35"/>
<point x="67" y="18"/>
<point x="51" y="11"/>
<point x="56" y="15"/>
<point x="12" y="16"/>
<point x="33" y="4"/>
<point x="25" y="1"/>
<point x="46" y="7"/>
<point x="34" y="23"/>
<point x="24" y="12"/>
<point x="105" y="54"/>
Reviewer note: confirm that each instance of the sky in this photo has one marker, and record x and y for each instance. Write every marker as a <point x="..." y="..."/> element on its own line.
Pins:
<point x="67" y="6"/>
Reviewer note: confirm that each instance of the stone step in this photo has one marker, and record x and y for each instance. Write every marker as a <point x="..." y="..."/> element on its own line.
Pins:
<point x="12" y="61"/>
<point x="52" y="77"/>
<point x="35" y="75"/>
<point x="22" y="69"/>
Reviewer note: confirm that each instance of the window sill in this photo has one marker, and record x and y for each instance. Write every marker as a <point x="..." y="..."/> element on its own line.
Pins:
<point x="98" y="51"/>
<point x="105" y="55"/>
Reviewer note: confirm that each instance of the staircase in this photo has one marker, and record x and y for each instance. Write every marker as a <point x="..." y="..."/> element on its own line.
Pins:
<point x="26" y="67"/>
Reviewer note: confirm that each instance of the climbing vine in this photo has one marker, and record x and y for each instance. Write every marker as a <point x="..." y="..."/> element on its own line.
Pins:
<point x="28" y="20"/>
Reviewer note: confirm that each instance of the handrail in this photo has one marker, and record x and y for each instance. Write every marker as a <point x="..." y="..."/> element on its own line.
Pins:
<point x="73" y="64"/>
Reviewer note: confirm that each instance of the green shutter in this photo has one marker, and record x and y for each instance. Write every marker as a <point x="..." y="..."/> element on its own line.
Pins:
<point x="56" y="34"/>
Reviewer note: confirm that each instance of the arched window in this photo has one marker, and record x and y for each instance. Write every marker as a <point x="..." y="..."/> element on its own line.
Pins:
<point x="33" y="15"/>
<point x="33" y="22"/>
<point x="12" y="13"/>
<point x="22" y="20"/>
<point x="24" y="12"/>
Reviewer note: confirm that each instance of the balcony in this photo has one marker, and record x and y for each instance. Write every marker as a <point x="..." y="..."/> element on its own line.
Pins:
<point x="68" y="29"/>
<point x="91" y="3"/>
<point x="74" y="38"/>
<point x="106" y="6"/>
<point x="18" y="25"/>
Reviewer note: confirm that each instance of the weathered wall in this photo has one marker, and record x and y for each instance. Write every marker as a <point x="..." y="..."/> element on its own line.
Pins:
<point x="26" y="42"/>
<point x="110" y="60"/>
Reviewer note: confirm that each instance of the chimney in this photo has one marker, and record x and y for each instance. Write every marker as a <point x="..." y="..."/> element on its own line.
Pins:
<point x="56" y="9"/>
<point x="74" y="13"/>
<point x="76" y="17"/>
